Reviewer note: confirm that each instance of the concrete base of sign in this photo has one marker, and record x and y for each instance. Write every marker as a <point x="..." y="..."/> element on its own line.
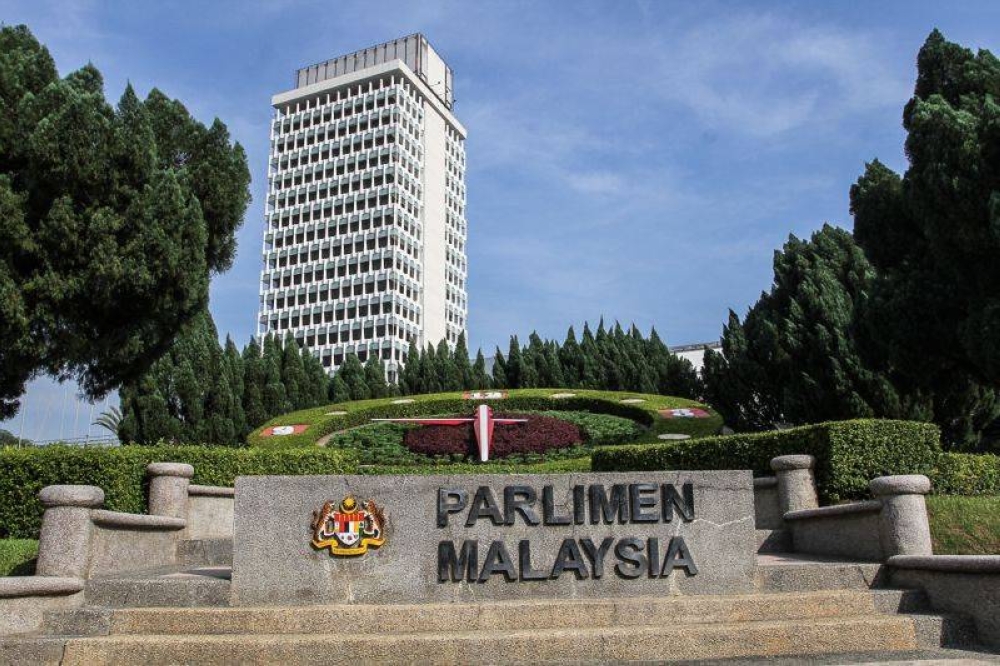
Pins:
<point x="576" y="555"/>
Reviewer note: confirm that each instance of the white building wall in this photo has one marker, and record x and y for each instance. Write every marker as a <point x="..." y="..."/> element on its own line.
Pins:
<point x="364" y="244"/>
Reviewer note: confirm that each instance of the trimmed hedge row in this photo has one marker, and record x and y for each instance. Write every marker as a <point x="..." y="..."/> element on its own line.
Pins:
<point x="966" y="474"/>
<point x="848" y="454"/>
<point x="121" y="473"/>
<point x="361" y="414"/>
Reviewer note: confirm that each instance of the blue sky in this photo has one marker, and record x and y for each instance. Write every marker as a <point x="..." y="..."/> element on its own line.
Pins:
<point x="636" y="160"/>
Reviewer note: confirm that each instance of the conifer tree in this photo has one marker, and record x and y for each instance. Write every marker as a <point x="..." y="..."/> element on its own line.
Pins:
<point x="375" y="377"/>
<point x="339" y="390"/>
<point x="499" y="370"/>
<point x="515" y="365"/>
<point x="353" y="375"/>
<point x="275" y="397"/>
<point x="253" y="385"/>
<point x="480" y="379"/>
<point x="448" y="374"/>
<point x="410" y="379"/>
<point x="571" y="360"/>
<point x="462" y="363"/>
<point x="429" y="377"/>
<point x="113" y="221"/>
<point x="317" y="380"/>
<point x="293" y="374"/>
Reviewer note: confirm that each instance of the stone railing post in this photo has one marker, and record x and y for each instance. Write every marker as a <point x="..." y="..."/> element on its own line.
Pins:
<point x="903" y="525"/>
<point x="168" y="488"/>
<point x="64" y="543"/>
<point x="796" y="482"/>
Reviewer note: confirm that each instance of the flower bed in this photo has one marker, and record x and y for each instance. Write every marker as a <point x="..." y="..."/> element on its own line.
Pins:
<point x="539" y="434"/>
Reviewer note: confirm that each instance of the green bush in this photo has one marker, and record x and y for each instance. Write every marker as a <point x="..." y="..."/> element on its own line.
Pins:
<point x="966" y="474"/>
<point x="121" y="473"/>
<point x="848" y="454"/>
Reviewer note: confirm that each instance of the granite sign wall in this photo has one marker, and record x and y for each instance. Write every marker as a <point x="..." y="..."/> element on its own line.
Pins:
<point x="409" y="539"/>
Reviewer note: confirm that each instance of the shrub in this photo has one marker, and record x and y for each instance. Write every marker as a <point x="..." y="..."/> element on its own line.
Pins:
<point x="848" y="454"/>
<point x="539" y="434"/>
<point x="121" y="473"/>
<point x="966" y="474"/>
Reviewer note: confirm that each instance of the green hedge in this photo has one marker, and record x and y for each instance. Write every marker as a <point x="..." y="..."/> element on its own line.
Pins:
<point x="121" y="473"/>
<point x="849" y="454"/>
<point x="966" y="474"/>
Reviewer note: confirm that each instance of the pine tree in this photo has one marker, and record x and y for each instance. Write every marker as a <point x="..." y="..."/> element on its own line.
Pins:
<point x="375" y="377"/>
<point x="253" y="385"/>
<point x="515" y="364"/>
<point x="429" y="378"/>
<point x="317" y="380"/>
<point x="480" y="380"/>
<point x="293" y="374"/>
<point x="339" y="391"/>
<point x="353" y="375"/>
<point x="448" y="373"/>
<point x="462" y="364"/>
<point x="275" y="398"/>
<point x="499" y="370"/>
<point x="410" y="377"/>
<point x="571" y="360"/>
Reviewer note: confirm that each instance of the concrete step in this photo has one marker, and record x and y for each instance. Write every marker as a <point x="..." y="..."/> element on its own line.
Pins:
<point x="773" y="541"/>
<point x="206" y="552"/>
<point x="328" y="643"/>
<point x="801" y="573"/>
<point x="183" y="587"/>
<point x="499" y="616"/>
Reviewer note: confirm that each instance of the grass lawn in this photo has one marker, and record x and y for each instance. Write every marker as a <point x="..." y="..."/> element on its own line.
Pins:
<point x="17" y="557"/>
<point x="964" y="525"/>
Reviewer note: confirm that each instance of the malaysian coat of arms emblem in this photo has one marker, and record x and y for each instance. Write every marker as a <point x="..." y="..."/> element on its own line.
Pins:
<point x="348" y="528"/>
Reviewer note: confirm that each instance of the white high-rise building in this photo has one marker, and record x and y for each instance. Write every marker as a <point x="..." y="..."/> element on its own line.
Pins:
<point x="364" y="243"/>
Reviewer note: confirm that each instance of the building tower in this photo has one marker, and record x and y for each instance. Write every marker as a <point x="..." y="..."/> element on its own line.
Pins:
<point x="365" y="230"/>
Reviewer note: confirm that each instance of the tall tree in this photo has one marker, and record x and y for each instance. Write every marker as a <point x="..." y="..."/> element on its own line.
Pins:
<point x="375" y="377"/>
<point x="571" y="360"/>
<point x="499" y="370"/>
<point x="480" y="379"/>
<point x="932" y="234"/>
<point x="462" y="363"/>
<point x="253" y="385"/>
<point x="293" y="374"/>
<point x="794" y="358"/>
<point x="113" y="220"/>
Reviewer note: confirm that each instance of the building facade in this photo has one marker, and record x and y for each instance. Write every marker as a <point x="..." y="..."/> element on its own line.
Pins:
<point x="365" y="227"/>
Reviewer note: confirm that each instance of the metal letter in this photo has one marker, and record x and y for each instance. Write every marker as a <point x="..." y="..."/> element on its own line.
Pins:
<point x="603" y="509"/>
<point x="678" y="557"/>
<point x="641" y="496"/>
<point x="520" y="499"/>
<point x="596" y="555"/>
<point x="549" y="508"/>
<point x="445" y="507"/>
<point x="672" y="500"/>
<point x="524" y="558"/>
<point x="569" y="559"/>
<point x="484" y="505"/>
<point x="451" y="564"/>
<point x="497" y="560"/>
<point x="629" y="550"/>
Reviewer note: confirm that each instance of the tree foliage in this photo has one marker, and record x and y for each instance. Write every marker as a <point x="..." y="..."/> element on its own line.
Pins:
<point x="933" y="234"/>
<point x="111" y="221"/>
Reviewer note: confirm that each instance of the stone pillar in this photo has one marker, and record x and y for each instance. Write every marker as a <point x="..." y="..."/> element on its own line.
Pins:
<point x="64" y="544"/>
<point x="903" y="526"/>
<point x="168" y="488"/>
<point x="796" y="482"/>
